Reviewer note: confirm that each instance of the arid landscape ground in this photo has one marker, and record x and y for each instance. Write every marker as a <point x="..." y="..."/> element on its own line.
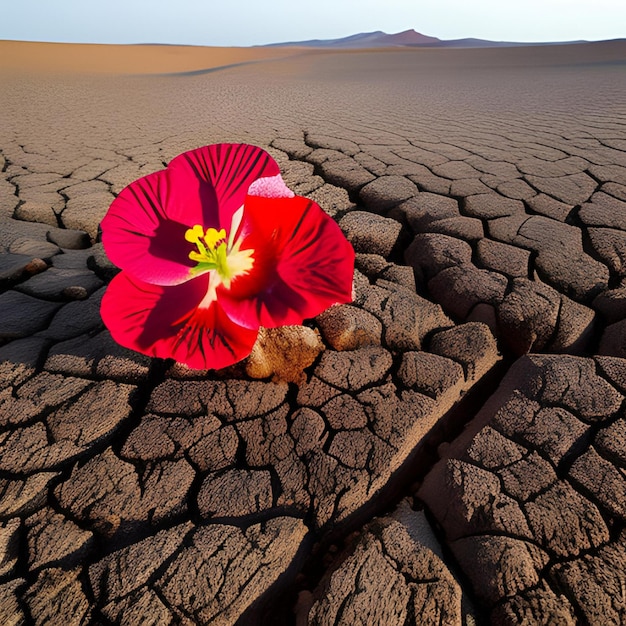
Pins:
<point x="455" y="454"/>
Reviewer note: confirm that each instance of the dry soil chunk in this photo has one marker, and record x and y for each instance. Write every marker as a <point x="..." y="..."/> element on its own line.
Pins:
<point x="392" y="574"/>
<point x="22" y="315"/>
<point x="472" y="345"/>
<point x="386" y="191"/>
<point x="370" y="233"/>
<point x="430" y="253"/>
<point x="347" y="327"/>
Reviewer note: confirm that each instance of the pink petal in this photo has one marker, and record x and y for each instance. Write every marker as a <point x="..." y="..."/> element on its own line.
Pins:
<point x="302" y="264"/>
<point x="270" y="187"/>
<point x="153" y="320"/>
<point x="144" y="229"/>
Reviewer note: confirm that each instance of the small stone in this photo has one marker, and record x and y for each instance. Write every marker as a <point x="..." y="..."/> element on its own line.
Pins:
<point x="284" y="353"/>
<point x="75" y="293"/>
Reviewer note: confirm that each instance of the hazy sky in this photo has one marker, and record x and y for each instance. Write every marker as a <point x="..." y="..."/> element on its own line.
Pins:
<point x="251" y="22"/>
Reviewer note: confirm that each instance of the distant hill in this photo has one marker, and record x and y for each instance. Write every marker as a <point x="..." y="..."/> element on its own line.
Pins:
<point x="379" y="39"/>
<point x="367" y="40"/>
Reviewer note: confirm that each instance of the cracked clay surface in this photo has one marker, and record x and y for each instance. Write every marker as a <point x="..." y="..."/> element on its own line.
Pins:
<point x="449" y="448"/>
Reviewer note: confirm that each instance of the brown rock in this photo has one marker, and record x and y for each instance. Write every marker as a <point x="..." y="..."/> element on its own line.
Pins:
<point x="407" y="318"/>
<point x="611" y="442"/>
<point x="575" y="327"/>
<point x="491" y="450"/>
<point x="333" y="200"/>
<point x="53" y="538"/>
<point x="24" y="496"/>
<point x="550" y="207"/>
<point x="553" y="431"/>
<point x="10" y="606"/>
<point x="69" y="239"/>
<point x="353" y="370"/>
<point x="98" y="355"/>
<point x="437" y="377"/>
<point x="612" y="304"/>
<point x="284" y="353"/>
<point x="345" y="172"/>
<point x="613" y="342"/>
<point x="222" y="569"/>
<point x="34" y="248"/>
<point x="110" y="495"/>
<point x="467" y="228"/>
<point x="76" y="318"/>
<point x="328" y="142"/>
<point x="128" y="569"/>
<point x="307" y="430"/>
<point x="574" y="383"/>
<point x="540" y="606"/>
<point x="456" y="170"/>
<point x="9" y="547"/>
<point x="527" y="477"/>
<point x="565" y="522"/>
<point x="517" y="189"/>
<point x="467" y="187"/>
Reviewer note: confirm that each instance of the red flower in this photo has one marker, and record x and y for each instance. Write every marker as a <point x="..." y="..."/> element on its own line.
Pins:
<point x="212" y="248"/>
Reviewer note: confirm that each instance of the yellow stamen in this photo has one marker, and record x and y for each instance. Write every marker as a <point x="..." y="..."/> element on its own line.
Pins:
<point x="219" y="254"/>
<point x="213" y="236"/>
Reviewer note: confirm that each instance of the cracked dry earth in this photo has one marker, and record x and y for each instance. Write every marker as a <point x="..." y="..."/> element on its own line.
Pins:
<point x="454" y="451"/>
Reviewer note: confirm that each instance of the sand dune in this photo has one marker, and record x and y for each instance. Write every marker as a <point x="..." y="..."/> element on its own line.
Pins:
<point x="127" y="59"/>
<point x="21" y="56"/>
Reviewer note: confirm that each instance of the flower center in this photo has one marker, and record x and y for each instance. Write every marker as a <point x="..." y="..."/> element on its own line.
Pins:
<point x="219" y="254"/>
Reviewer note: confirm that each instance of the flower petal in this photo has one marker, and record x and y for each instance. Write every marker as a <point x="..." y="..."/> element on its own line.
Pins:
<point x="270" y="187"/>
<point x="302" y="264"/>
<point x="139" y="236"/>
<point x="230" y="169"/>
<point x="153" y="320"/>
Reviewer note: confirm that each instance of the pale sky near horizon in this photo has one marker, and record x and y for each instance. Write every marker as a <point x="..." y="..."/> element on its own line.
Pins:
<point x="254" y="22"/>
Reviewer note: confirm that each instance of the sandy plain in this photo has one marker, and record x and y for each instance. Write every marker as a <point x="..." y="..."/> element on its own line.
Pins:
<point x="455" y="454"/>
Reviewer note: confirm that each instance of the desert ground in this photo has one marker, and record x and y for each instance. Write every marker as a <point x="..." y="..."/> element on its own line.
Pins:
<point x="450" y="448"/>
